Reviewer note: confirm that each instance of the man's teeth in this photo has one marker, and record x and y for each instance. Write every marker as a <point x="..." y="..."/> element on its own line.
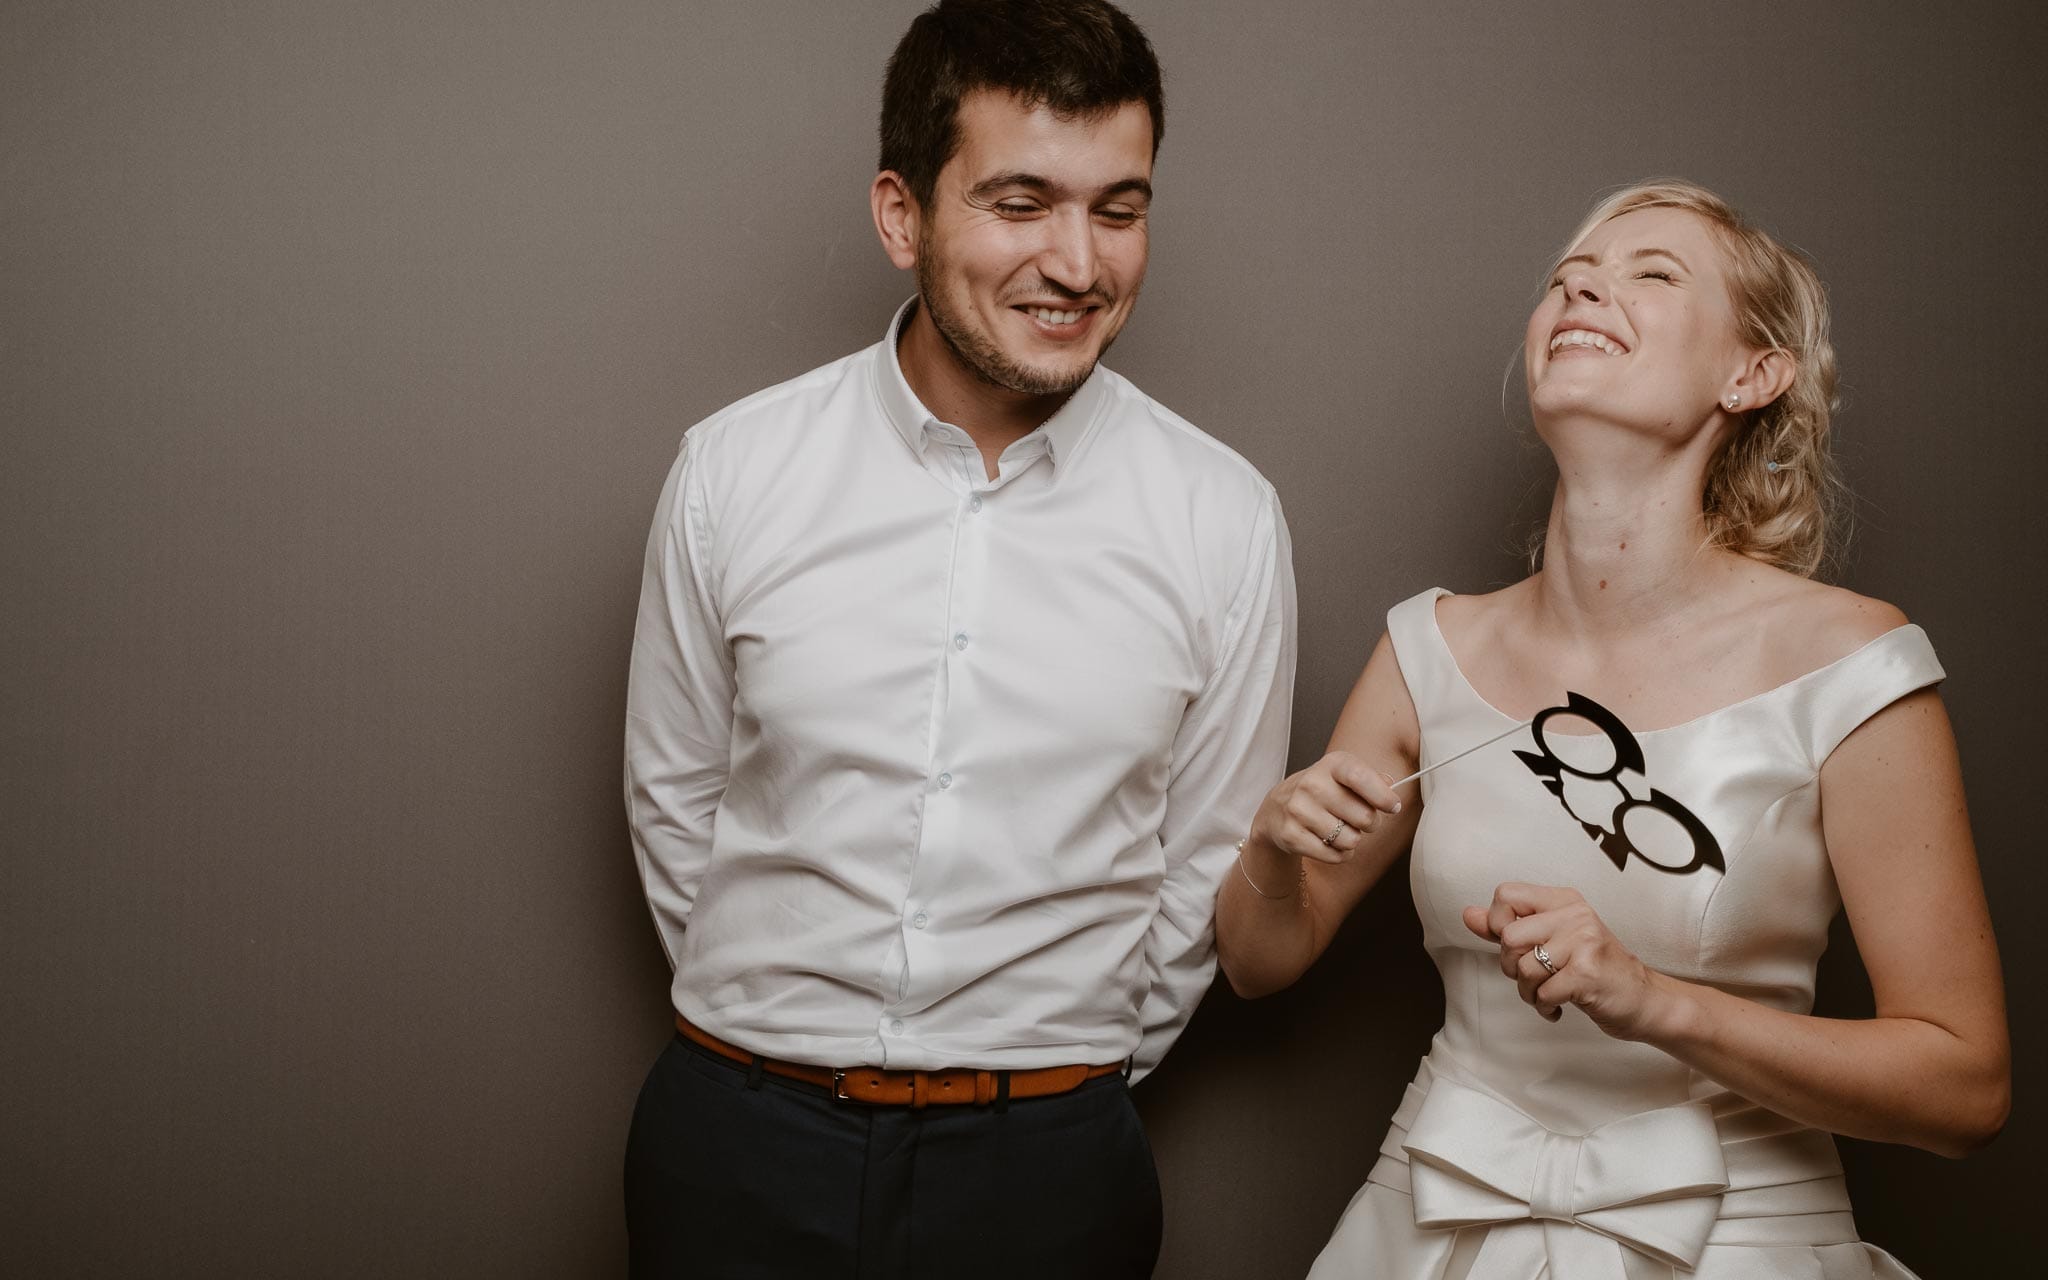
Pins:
<point x="1049" y="316"/>
<point x="1587" y="338"/>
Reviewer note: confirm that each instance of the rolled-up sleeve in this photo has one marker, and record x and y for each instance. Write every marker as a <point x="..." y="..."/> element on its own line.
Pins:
<point x="1230" y="750"/>
<point x="679" y="701"/>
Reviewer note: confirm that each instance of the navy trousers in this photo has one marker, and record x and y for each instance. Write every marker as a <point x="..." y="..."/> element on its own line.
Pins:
<point x="734" y="1174"/>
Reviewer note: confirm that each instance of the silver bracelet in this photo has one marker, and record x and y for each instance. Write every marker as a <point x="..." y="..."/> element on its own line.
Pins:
<point x="1270" y="897"/>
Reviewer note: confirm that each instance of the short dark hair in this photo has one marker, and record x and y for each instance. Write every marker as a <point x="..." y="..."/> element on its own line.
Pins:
<point x="1078" y="57"/>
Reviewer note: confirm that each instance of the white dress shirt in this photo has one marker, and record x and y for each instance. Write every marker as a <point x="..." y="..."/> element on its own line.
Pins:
<point x="930" y="770"/>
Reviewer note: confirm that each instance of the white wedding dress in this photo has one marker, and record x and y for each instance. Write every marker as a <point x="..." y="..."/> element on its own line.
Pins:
<point x="1526" y="1149"/>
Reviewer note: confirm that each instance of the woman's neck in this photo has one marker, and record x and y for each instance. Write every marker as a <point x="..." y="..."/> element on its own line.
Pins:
<point x="1627" y="547"/>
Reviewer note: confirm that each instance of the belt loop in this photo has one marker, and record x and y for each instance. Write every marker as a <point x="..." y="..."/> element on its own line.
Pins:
<point x="1128" y="1064"/>
<point x="754" y="1070"/>
<point x="1002" y="1092"/>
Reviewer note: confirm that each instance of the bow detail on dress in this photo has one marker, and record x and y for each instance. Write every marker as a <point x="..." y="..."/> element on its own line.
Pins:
<point x="1649" y="1183"/>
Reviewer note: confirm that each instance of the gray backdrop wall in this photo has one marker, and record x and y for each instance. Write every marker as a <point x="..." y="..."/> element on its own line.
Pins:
<point x="343" y="348"/>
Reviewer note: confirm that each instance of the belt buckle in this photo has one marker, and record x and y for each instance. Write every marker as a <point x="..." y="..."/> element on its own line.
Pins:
<point x="839" y="1093"/>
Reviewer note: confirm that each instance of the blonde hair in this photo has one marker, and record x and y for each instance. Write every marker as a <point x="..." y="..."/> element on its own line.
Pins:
<point x="1784" y="515"/>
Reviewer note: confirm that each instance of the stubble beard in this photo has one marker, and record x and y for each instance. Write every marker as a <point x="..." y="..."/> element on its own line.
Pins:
<point x="977" y="352"/>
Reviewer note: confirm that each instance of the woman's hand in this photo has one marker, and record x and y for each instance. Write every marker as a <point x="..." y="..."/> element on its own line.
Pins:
<point x="1325" y="811"/>
<point x="1588" y="966"/>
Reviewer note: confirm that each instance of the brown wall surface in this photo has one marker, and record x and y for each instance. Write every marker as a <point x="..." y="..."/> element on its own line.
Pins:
<point x="343" y="347"/>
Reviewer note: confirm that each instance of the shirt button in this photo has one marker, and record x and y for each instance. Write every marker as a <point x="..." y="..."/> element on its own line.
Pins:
<point x="945" y="780"/>
<point x="960" y="640"/>
<point x="919" y="920"/>
<point x="974" y="503"/>
<point x="896" y="1027"/>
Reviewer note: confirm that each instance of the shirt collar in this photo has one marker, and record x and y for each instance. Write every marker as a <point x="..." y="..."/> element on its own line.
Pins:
<point x="1063" y="431"/>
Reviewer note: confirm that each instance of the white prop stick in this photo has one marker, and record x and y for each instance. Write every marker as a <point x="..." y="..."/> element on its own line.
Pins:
<point x="1505" y="733"/>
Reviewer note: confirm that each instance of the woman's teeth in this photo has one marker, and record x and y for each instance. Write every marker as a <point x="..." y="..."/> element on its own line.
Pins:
<point x="1587" y="338"/>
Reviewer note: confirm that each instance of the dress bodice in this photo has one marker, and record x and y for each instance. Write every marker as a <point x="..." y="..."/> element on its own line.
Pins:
<point x="1754" y="926"/>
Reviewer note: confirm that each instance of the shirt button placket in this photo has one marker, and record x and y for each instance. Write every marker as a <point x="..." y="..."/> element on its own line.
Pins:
<point x="969" y="549"/>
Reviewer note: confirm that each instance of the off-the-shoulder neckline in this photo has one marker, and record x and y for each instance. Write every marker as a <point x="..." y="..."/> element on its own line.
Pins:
<point x="1444" y="646"/>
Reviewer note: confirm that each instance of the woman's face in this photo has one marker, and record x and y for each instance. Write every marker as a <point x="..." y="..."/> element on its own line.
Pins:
<point x="1637" y="327"/>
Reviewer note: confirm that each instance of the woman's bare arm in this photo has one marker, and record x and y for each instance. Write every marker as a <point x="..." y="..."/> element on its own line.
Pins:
<point x="1267" y="936"/>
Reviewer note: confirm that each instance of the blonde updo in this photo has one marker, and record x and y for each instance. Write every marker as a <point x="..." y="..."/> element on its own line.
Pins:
<point x="1784" y="516"/>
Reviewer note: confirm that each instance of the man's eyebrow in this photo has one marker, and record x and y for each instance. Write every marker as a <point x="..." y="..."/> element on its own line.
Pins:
<point x="1033" y="182"/>
<point x="1004" y="181"/>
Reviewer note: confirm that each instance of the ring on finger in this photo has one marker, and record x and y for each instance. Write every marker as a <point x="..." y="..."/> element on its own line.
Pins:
<point x="1543" y="958"/>
<point x="1336" y="833"/>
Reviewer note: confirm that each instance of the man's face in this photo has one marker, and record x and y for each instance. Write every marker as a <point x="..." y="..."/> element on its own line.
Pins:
<point x="1030" y="255"/>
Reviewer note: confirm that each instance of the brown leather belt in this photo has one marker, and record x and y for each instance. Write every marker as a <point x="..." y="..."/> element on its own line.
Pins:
<point x="882" y="1088"/>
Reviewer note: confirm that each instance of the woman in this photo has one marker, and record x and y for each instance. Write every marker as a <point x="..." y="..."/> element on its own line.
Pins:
<point x="1629" y="1082"/>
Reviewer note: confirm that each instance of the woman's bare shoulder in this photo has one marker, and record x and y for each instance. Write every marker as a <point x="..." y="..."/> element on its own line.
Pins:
<point x="1812" y="624"/>
<point x="1471" y="617"/>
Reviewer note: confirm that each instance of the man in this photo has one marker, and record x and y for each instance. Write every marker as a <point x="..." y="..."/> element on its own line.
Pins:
<point x="961" y="666"/>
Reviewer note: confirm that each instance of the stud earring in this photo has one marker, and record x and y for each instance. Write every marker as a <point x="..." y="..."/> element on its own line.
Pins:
<point x="1734" y="402"/>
